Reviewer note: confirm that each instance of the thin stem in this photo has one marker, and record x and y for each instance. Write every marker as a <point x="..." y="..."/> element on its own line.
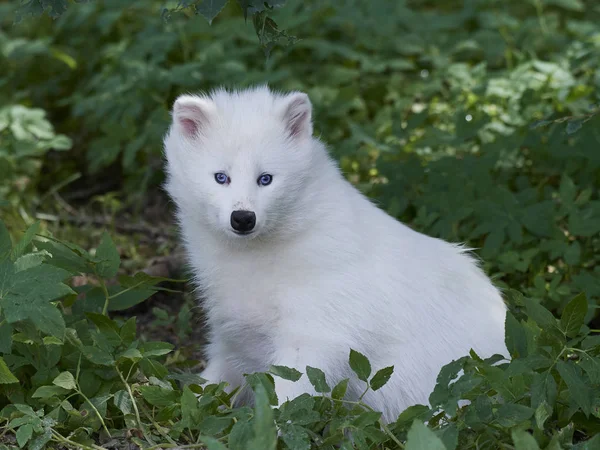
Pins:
<point x="96" y="411"/>
<point x="63" y="440"/>
<point x="106" y="296"/>
<point x="135" y="408"/>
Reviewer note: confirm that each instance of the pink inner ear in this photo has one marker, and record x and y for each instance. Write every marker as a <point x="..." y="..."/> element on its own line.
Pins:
<point x="190" y="127"/>
<point x="191" y="117"/>
<point x="297" y="122"/>
<point x="298" y="115"/>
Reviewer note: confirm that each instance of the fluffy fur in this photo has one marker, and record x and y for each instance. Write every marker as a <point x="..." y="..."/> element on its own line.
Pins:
<point x="325" y="270"/>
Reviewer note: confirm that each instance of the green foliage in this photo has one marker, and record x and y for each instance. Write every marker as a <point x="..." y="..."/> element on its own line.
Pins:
<point x="71" y="375"/>
<point x="26" y="136"/>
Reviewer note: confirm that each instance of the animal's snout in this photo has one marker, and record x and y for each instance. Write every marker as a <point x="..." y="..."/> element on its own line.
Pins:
<point x="243" y="221"/>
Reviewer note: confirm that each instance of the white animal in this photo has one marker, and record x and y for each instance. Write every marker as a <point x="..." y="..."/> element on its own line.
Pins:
<point x="297" y="267"/>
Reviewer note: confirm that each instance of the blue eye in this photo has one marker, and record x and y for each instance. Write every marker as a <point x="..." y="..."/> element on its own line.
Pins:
<point x="221" y="178"/>
<point x="265" y="179"/>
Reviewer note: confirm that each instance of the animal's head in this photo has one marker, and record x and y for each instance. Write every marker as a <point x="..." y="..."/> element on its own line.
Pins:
<point x="238" y="162"/>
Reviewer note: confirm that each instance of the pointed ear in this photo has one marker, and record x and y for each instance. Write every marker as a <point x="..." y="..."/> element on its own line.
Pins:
<point x="192" y="114"/>
<point x="297" y="115"/>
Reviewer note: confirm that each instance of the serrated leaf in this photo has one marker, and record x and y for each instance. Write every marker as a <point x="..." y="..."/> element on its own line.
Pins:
<point x="381" y="377"/>
<point x="573" y="316"/>
<point x="286" y="373"/>
<point x="295" y="437"/>
<point x="267" y="382"/>
<point x="449" y="436"/>
<point x="524" y="441"/>
<point x="241" y="433"/>
<point x="122" y="401"/>
<point x="339" y="391"/>
<point x="511" y="414"/>
<point x="65" y="380"/>
<point x="543" y="389"/>
<point x="579" y="391"/>
<point x="539" y="314"/>
<point x="190" y="412"/>
<point x="360" y="365"/>
<point x="25" y="240"/>
<point x="317" y="379"/>
<point x="107" y="257"/>
<point x="209" y="9"/>
<point x="97" y="355"/>
<point x="6" y="376"/>
<point x="515" y="338"/>
<point x="574" y="126"/>
<point x="422" y="438"/>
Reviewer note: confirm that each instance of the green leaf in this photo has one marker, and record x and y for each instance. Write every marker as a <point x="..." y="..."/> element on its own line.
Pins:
<point x="107" y="257"/>
<point x="241" y="433"/>
<point x="267" y="383"/>
<point x="5" y="242"/>
<point x="6" y="331"/>
<point x="449" y="436"/>
<point x="511" y="414"/>
<point x="23" y="434"/>
<point x="122" y="401"/>
<point x="40" y="441"/>
<point x="539" y="314"/>
<point x="579" y="391"/>
<point x="286" y="373"/>
<point x="542" y="413"/>
<point x="543" y="389"/>
<point x="295" y="437"/>
<point x="515" y="337"/>
<point x="97" y="355"/>
<point x="190" y="412"/>
<point x="360" y="365"/>
<point x="158" y="396"/>
<point x="150" y="349"/>
<point x="209" y="9"/>
<point x="524" y="441"/>
<point x="212" y="443"/>
<point x="381" y="377"/>
<point x="573" y="316"/>
<point x="265" y="433"/>
<point x="422" y="438"/>
<point x="339" y="391"/>
<point x="6" y="376"/>
<point x="574" y="126"/>
<point x="65" y="380"/>
<point x="20" y="247"/>
<point x="46" y="392"/>
<point x="317" y="379"/>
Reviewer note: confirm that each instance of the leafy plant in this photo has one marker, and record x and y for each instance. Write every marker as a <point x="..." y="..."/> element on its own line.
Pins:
<point x="71" y="375"/>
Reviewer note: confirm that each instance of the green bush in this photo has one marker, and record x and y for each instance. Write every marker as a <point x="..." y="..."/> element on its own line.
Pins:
<point x="87" y="379"/>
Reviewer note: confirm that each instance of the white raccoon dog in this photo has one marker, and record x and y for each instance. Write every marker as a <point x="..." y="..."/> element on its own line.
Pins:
<point x="296" y="266"/>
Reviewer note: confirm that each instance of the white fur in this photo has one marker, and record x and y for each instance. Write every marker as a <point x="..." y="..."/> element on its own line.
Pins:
<point x="326" y="270"/>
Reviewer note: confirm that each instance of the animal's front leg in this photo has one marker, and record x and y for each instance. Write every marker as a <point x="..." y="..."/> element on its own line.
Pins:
<point x="220" y="369"/>
<point x="298" y="358"/>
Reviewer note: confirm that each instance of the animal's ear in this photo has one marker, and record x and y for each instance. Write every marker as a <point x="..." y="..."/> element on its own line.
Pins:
<point x="192" y="114"/>
<point x="297" y="115"/>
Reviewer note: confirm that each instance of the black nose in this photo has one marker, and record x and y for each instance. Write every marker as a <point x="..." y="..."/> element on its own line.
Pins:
<point x="243" y="221"/>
